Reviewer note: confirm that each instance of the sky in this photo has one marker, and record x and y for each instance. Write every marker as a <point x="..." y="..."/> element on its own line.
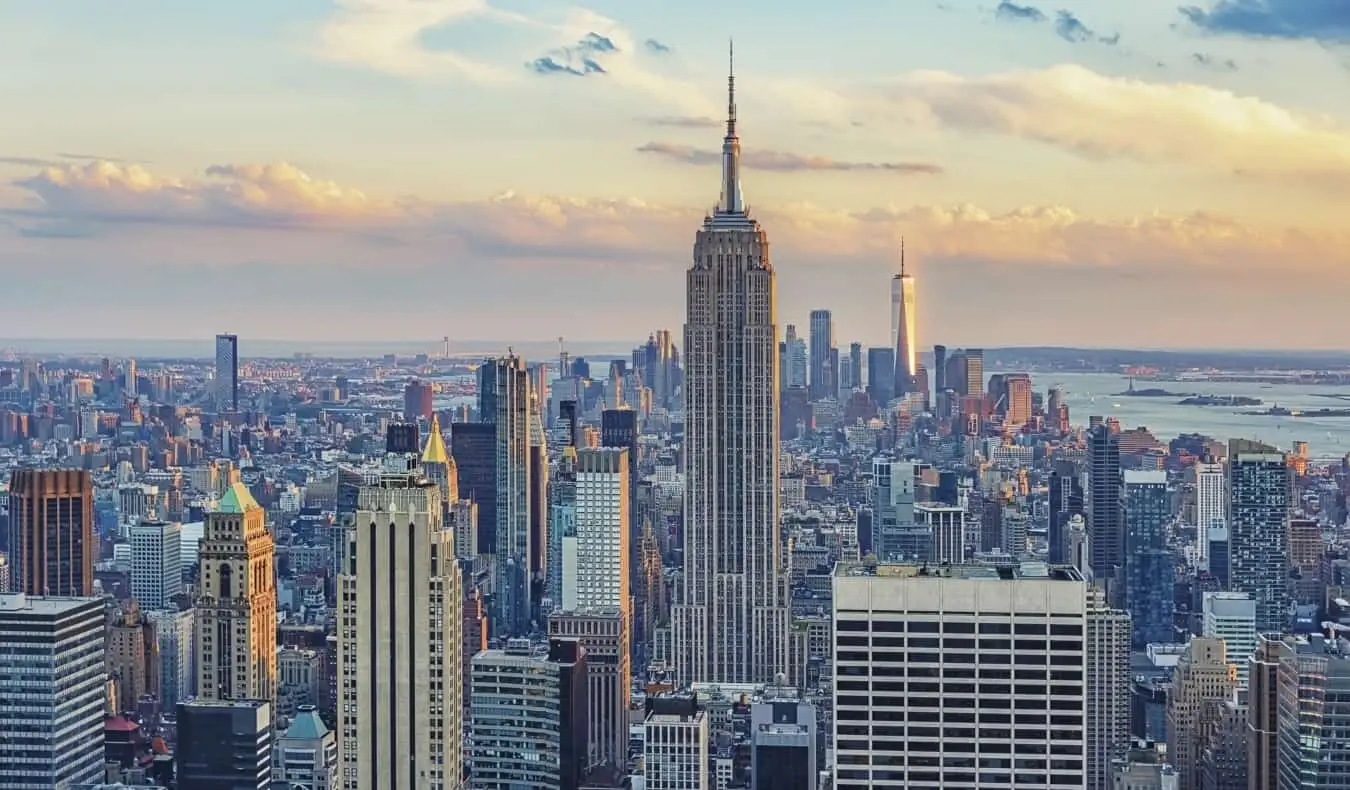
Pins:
<point x="1128" y="174"/>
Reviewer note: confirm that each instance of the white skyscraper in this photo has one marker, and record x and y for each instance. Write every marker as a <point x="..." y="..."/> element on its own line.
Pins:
<point x="400" y="717"/>
<point x="944" y="675"/>
<point x="1231" y="616"/>
<point x="174" y="631"/>
<point x="1211" y="504"/>
<point x="156" y="563"/>
<point x="731" y="622"/>
<point x="227" y="373"/>
<point x="602" y="530"/>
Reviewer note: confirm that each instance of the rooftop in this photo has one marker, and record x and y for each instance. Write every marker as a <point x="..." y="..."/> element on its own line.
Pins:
<point x="237" y="500"/>
<point x="1026" y="570"/>
<point x="36" y="604"/>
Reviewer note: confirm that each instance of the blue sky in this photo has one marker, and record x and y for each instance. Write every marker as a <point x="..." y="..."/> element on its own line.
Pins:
<point x="1082" y="172"/>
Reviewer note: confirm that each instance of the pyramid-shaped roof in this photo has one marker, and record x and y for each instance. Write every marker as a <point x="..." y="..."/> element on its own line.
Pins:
<point x="435" y="452"/>
<point x="238" y="500"/>
<point x="307" y="725"/>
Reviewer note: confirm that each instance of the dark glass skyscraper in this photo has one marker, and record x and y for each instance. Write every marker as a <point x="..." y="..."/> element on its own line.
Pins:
<point x="1149" y="566"/>
<point x="1066" y="501"/>
<point x="473" y="445"/>
<point x="824" y="364"/>
<point x="504" y="401"/>
<point x="1105" y="536"/>
<point x="1258" y="542"/>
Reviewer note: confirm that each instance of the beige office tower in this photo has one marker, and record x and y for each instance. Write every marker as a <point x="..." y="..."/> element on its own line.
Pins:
<point x="731" y="622"/>
<point x="400" y="716"/>
<point x="596" y="585"/>
<point x="1108" y="689"/>
<point x="1202" y="675"/>
<point x="236" y="603"/>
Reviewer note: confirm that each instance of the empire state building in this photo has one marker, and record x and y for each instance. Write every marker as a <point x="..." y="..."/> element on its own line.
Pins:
<point x="731" y="622"/>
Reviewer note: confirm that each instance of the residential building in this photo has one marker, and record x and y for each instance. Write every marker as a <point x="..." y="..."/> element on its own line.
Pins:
<point x="1258" y="540"/>
<point x="676" y="752"/>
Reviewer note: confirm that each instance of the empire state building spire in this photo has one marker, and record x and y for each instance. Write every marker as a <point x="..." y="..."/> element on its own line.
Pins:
<point x="731" y="148"/>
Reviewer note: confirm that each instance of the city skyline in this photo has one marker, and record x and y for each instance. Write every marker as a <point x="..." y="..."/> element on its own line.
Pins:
<point x="322" y="155"/>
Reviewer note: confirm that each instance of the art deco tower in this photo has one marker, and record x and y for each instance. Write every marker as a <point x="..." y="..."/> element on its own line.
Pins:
<point x="902" y="322"/>
<point x="732" y="620"/>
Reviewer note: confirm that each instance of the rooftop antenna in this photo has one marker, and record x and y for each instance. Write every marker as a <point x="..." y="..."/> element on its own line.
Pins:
<point x="902" y="256"/>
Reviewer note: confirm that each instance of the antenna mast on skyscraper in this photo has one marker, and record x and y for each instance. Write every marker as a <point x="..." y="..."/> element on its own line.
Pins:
<point x="902" y="256"/>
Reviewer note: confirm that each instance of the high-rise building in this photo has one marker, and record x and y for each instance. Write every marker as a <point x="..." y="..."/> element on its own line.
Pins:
<point x="1263" y="713"/>
<point x="1231" y="617"/>
<point x="473" y="446"/>
<point x="1202" y="675"/>
<point x="855" y="366"/>
<point x="619" y="428"/>
<point x="1106" y="539"/>
<point x="504" y="400"/>
<point x="676" y="745"/>
<point x="940" y="383"/>
<point x="175" y="632"/>
<point x="1258" y="540"/>
<point x="1148" y="565"/>
<point x="51" y="532"/>
<point x="732" y="622"/>
<point x="53" y="685"/>
<point x="606" y="639"/>
<point x="1211" y="502"/>
<point x="535" y="697"/>
<point x="881" y="375"/>
<point x="603" y="505"/>
<point x="156" y="563"/>
<point x="960" y="633"/>
<point x="236" y="604"/>
<point x="824" y="375"/>
<point x="132" y="658"/>
<point x="1314" y="711"/>
<point x="1109" y="676"/>
<point x="783" y="742"/>
<point x="903" y="339"/>
<point x="1066" y="501"/>
<point x="974" y="370"/>
<point x="227" y="373"/>
<point x="224" y="745"/>
<point x="400" y="721"/>
<point x="417" y="401"/>
<point x="796" y="360"/>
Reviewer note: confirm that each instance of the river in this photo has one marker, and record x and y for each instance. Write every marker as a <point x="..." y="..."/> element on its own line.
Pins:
<point x="1087" y="394"/>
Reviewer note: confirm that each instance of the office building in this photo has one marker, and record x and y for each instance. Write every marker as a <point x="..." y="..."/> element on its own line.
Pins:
<point x="400" y="637"/>
<point x="1314" y="712"/>
<point x="224" y="745"/>
<point x="940" y="383"/>
<point x="1149" y="566"/>
<point x="236" y="604"/>
<point x="51" y="532"/>
<point x="227" y="374"/>
<point x="824" y="359"/>
<point x="306" y="755"/>
<point x="731" y="624"/>
<point x="855" y="366"/>
<point x="783" y="742"/>
<point x="1066" y="501"/>
<point x="676" y="749"/>
<point x="504" y="401"/>
<point x="619" y="429"/>
<point x="1263" y="713"/>
<point x="473" y="446"/>
<point x="562" y="534"/>
<point x="892" y="499"/>
<point x="175" y="633"/>
<point x="796" y="361"/>
<point x="1258" y="542"/>
<point x="418" y="401"/>
<point x="1109" y="679"/>
<point x="132" y="658"/>
<point x="1203" y="675"/>
<point x="602" y="527"/>
<point x="156" y="563"/>
<point x="930" y="666"/>
<point x="903" y="338"/>
<point x="53" y="687"/>
<point x="528" y="719"/>
<point x="605" y="636"/>
<point x="1231" y="617"/>
<point x="881" y="375"/>
<point x="1106" y="537"/>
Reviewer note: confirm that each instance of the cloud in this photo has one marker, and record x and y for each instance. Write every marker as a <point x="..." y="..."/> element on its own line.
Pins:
<point x="656" y="47"/>
<point x="548" y="65"/>
<point x="1211" y="62"/>
<point x="683" y="121"/>
<point x="1066" y="25"/>
<point x="1096" y="116"/>
<point x="389" y="36"/>
<point x="1327" y="21"/>
<point x="782" y="162"/>
<point x="1071" y="29"/>
<point x="27" y="161"/>
<point x="1014" y="12"/>
<point x="351" y="253"/>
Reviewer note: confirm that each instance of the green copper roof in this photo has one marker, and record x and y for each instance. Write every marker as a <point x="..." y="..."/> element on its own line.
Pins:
<point x="237" y="499"/>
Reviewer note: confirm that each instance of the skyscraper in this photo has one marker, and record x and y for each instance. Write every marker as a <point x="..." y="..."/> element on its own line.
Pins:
<point x="156" y="563"/>
<point x="1105" y="536"/>
<point x="1258" y="542"/>
<point x="227" y="373"/>
<point x="1149" y="566"/>
<point x="224" y="745"/>
<point x="731" y="624"/>
<point x="824" y="364"/>
<point x="855" y="366"/>
<point x="796" y="362"/>
<point x="1211" y="503"/>
<point x="399" y="645"/>
<point x="53" y="685"/>
<point x="902" y="312"/>
<point x="51" y="532"/>
<point x="237" y="603"/>
<point x="504" y="401"/>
